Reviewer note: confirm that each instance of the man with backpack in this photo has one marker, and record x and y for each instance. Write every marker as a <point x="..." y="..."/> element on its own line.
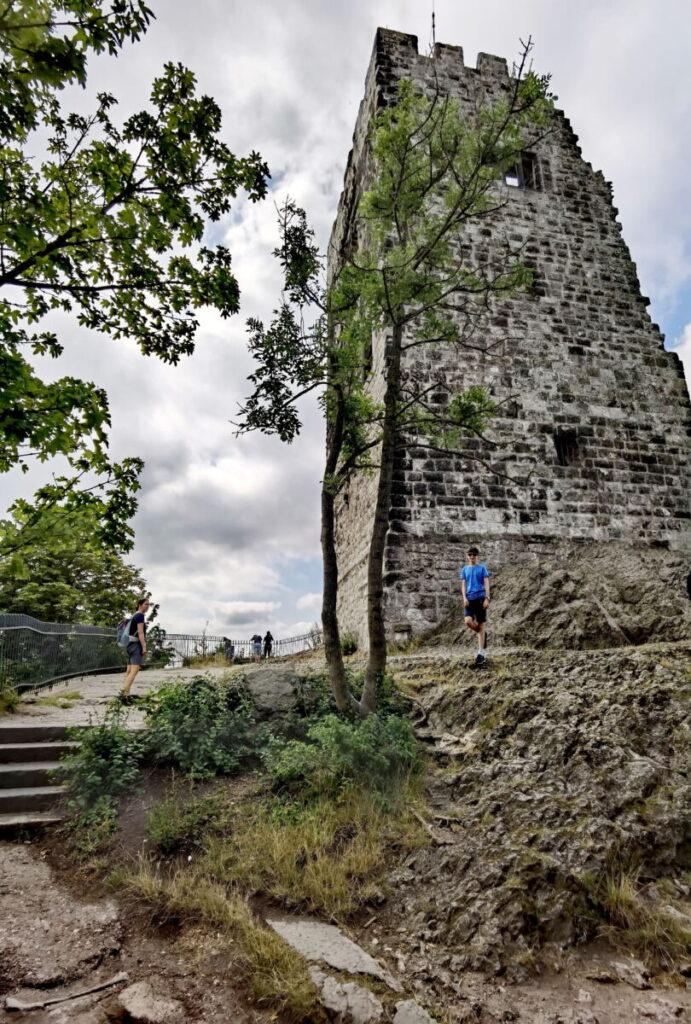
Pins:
<point x="136" y="647"/>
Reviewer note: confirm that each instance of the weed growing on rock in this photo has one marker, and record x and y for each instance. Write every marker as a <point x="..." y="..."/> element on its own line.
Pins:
<point x="9" y="698"/>
<point x="643" y="919"/>
<point x="59" y="700"/>
<point x="349" y="643"/>
<point x="323" y="855"/>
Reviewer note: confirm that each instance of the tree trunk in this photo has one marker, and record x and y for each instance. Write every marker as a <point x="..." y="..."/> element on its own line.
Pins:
<point x="376" y="662"/>
<point x="332" y="639"/>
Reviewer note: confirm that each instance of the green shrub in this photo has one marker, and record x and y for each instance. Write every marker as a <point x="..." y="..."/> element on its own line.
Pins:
<point x="106" y="765"/>
<point x="179" y="822"/>
<point x="377" y="753"/>
<point x="202" y="727"/>
<point x="9" y="698"/>
<point x="349" y="642"/>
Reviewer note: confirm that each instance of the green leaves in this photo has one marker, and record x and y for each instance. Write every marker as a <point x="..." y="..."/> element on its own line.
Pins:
<point x="56" y="566"/>
<point x="201" y="727"/>
<point x="45" y="47"/>
<point x="376" y="754"/>
<point x="109" y="226"/>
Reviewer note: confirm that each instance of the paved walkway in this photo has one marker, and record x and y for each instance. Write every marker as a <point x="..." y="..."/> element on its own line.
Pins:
<point x="95" y="693"/>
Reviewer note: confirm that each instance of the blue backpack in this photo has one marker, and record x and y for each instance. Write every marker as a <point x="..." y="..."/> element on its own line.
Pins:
<point x="123" y="632"/>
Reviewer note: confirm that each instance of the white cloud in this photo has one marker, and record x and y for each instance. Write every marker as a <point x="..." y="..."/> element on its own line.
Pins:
<point x="682" y="347"/>
<point x="313" y="601"/>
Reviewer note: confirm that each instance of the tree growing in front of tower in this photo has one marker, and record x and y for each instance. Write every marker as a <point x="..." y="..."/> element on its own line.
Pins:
<point x="412" y="280"/>
<point x="102" y="220"/>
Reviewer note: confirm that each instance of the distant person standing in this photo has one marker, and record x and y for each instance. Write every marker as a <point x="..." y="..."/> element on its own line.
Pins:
<point x="256" y="642"/>
<point x="268" y="644"/>
<point x="136" y="648"/>
<point x="475" y="591"/>
<point x="229" y="649"/>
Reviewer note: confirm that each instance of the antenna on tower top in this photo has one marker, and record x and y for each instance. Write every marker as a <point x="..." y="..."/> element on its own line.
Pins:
<point x="434" y="30"/>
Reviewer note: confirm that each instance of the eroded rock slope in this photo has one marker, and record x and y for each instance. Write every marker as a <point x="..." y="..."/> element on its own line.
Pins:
<point x="552" y="773"/>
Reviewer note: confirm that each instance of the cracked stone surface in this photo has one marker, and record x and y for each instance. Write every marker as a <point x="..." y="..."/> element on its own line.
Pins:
<point x="317" y="941"/>
<point x="351" y="1003"/>
<point x="46" y="936"/>
<point x="410" y="1012"/>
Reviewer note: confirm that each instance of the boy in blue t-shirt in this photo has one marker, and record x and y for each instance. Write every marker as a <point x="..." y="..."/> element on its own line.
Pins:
<point x="475" y="591"/>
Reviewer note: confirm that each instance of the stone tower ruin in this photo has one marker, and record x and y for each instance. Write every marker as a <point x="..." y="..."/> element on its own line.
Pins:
<point x="587" y="395"/>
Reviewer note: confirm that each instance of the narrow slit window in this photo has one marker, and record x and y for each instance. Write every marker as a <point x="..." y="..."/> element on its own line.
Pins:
<point x="566" y="447"/>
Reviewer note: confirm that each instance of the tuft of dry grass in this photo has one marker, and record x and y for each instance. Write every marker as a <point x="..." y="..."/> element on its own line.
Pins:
<point x="641" y="921"/>
<point x="59" y="700"/>
<point x="275" y="974"/>
<point x="327" y="856"/>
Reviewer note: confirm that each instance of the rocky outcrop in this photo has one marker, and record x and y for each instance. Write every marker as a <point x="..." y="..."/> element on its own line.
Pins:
<point x="552" y="773"/>
<point x="600" y="595"/>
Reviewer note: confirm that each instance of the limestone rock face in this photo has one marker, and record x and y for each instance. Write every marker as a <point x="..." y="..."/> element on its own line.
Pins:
<point x="550" y="770"/>
<point x="348" y="1002"/>
<point x="601" y="595"/>
<point x="410" y="1012"/>
<point x="273" y="689"/>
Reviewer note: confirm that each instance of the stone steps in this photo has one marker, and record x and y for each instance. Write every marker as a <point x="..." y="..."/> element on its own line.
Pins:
<point x="23" y="752"/>
<point x="29" y="752"/>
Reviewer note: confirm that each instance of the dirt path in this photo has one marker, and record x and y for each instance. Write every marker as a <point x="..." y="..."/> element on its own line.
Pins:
<point x="53" y="944"/>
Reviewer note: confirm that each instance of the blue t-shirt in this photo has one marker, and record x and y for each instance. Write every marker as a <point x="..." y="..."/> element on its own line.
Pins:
<point x="474" y="576"/>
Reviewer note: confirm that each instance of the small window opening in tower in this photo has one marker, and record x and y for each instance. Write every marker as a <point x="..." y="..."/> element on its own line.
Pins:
<point x="566" y="447"/>
<point x="512" y="177"/>
<point x="525" y="173"/>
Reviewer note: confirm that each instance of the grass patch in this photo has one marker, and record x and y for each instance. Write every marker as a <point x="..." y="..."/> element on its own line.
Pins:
<point x="59" y="700"/>
<point x="326" y="856"/>
<point x="181" y="820"/>
<point x="275" y="974"/>
<point x="639" y="920"/>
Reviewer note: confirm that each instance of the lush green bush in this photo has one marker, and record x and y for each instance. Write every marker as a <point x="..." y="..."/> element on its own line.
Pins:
<point x="349" y="643"/>
<point x="202" y="727"/>
<point x="179" y="822"/>
<point x="377" y="753"/>
<point x="106" y="765"/>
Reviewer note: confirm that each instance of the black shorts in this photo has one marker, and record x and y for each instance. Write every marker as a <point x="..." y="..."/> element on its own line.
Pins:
<point x="476" y="609"/>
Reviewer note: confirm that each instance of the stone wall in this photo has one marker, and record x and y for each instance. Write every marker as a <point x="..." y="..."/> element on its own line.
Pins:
<point x="591" y="437"/>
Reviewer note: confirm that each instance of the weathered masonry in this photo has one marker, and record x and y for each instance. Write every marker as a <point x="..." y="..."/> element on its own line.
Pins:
<point x="589" y="400"/>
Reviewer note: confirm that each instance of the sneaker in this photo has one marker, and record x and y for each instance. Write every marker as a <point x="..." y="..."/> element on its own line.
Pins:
<point x="479" y="658"/>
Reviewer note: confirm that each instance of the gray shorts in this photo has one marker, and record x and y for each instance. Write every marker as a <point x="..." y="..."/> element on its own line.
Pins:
<point x="134" y="653"/>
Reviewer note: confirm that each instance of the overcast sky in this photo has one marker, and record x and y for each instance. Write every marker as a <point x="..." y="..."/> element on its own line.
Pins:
<point x="227" y="530"/>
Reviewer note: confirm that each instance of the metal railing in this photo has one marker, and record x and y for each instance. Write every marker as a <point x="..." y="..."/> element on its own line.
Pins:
<point x="35" y="654"/>
<point x="194" y="649"/>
